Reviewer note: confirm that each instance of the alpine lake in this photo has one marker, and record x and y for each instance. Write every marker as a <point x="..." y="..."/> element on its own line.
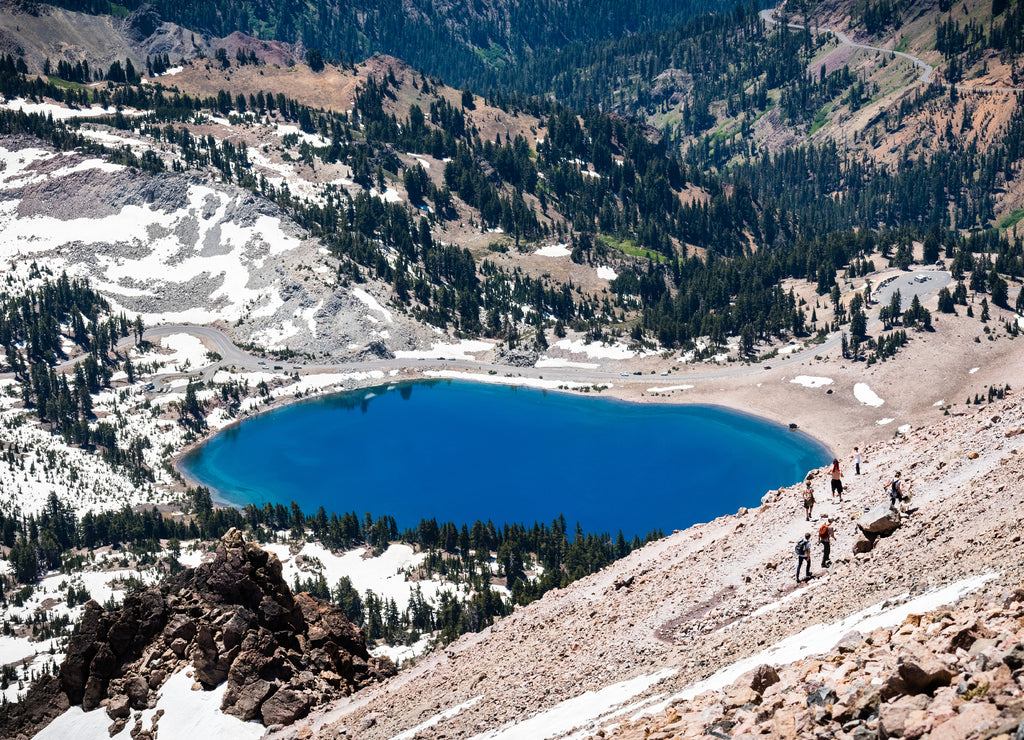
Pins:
<point x="462" y="452"/>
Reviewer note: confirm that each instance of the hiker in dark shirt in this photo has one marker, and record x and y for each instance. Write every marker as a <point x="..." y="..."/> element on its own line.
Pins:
<point x="895" y="489"/>
<point x="803" y="555"/>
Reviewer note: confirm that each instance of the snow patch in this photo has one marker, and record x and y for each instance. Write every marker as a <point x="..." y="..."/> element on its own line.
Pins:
<point x="555" y="250"/>
<point x="555" y="362"/>
<point x="447" y="714"/>
<point x="883" y="422"/>
<point x="821" y="638"/>
<point x="384" y="575"/>
<point x="505" y="380"/>
<point x="370" y="302"/>
<point x="577" y="713"/>
<point x="186" y="715"/>
<point x="811" y="381"/>
<point x="863" y="393"/>
<point x="973" y="370"/>
<point x="668" y="388"/>
<point x="615" y="351"/>
<point x="390" y="195"/>
<point x="463" y="351"/>
<point x="606" y="273"/>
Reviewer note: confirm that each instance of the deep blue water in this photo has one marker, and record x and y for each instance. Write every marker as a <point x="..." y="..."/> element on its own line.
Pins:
<point x="466" y="451"/>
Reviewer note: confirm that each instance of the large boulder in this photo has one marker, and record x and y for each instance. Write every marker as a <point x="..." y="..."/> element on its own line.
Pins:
<point x="879" y="521"/>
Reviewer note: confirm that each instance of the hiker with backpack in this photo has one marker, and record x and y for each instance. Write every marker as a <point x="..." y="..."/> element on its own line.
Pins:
<point x="825" y="536"/>
<point x="895" y="488"/>
<point x="803" y="555"/>
<point x="808" y="499"/>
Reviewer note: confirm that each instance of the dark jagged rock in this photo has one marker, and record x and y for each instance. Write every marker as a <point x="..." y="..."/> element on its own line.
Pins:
<point x="233" y="619"/>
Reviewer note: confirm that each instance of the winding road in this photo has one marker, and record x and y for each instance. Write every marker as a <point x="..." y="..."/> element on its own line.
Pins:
<point x="768" y="15"/>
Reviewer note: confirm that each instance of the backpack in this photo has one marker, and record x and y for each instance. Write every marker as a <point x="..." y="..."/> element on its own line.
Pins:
<point x="823" y="533"/>
<point x="801" y="548"/>
<point x="895" y="487"/>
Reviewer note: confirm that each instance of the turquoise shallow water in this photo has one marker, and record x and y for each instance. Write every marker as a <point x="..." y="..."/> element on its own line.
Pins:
<point x="466" y="451"/>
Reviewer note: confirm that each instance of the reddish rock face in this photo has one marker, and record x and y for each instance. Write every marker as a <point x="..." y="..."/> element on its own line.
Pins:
<point x="233" y="619"/>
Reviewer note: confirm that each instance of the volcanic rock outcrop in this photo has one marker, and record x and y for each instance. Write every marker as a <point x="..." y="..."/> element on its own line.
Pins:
<point x="232" y="619"/>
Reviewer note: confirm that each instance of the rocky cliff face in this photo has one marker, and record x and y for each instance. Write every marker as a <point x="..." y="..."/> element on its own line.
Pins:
<point x="233" y="619"/>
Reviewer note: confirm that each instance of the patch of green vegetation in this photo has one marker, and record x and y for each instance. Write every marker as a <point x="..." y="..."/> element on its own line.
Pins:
<point x="1010" y="221"/>
<point x="820" y="118"/>
<point x="630" y="247"/>
<point x="119" y="11"/>
<point x="902" y="45"/>
<point x="494" y="55"/>
<point x="58" y="82"/>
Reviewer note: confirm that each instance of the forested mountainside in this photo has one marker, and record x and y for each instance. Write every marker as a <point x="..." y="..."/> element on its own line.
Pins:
<point x="458" y="40"/>
<point x="705" y="224"/>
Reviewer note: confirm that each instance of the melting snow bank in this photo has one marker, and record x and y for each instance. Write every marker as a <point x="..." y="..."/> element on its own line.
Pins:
<point x="615" y="351"/>
<point x="606" y="273"/>
<point x="556" y="250"/>
<point x="548" y="385"/>
<point x="555" y="362"/>
<point x="370" y="302"/>
<point x="811" y="381"/>
<point x="447" y="714"/>
<point x="464" y="351"/>
<point x="821" y="638"/>
<point x="577" y="713"/>
<point x="385" y="575"/>
<point x="184" y="715"/>
<point x="863" y="393"/>
<point x="670" y="388"/>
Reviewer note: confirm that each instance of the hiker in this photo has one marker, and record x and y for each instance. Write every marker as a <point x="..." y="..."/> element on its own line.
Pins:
<point x="803" y="555"/>
<point x="825" y="536"/>
<point x="856" y="460"/>
<point x="895" y="489"/>
<point x="837" y="481"/>
<point x="808" y="499"/>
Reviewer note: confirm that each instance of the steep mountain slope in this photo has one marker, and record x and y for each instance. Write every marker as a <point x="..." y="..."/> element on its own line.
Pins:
<point x="456" y="39"/>
<point x="173" y="249"/>
<point x="39" y="33"/>
<point x="647" y="630"/>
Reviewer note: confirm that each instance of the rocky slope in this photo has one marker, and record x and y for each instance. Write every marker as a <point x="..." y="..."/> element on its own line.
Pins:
<point x="37" y="32"/>
<point x="174" y="248"/>
<point x="635" y="639"/>
<point x="232" y="619"/>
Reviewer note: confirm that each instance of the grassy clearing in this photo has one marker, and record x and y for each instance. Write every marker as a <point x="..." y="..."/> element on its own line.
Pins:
<point x="58" y="82"/>
<point x="1012" y="220"/>
<point x="820" y="118"/>
<point x="630" y="247"/>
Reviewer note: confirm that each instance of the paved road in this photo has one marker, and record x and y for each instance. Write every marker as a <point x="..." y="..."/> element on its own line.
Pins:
<point x="927" y="69"/>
